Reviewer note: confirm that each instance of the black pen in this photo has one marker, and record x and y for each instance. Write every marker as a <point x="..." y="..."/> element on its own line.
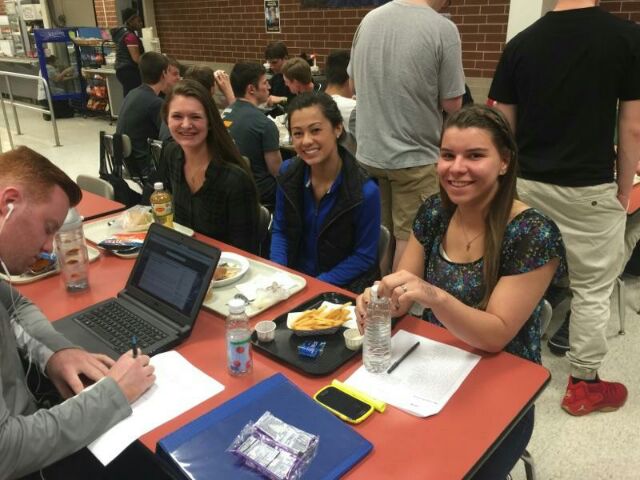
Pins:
<point x="401" y="359"/>
<point x="134" y="346"/>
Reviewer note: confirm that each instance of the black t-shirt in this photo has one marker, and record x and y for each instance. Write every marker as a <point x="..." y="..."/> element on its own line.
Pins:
<point x="254" y="134"/>
<point x="565" y="73"/>
<point x="278" y="87"/>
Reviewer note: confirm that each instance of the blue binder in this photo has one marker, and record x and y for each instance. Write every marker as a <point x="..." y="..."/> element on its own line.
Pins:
<point x="197" y="450"/>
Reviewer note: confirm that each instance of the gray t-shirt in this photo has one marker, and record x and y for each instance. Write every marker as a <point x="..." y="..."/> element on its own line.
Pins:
<point x="254" y="134"/>
<point x="405" y="59"/>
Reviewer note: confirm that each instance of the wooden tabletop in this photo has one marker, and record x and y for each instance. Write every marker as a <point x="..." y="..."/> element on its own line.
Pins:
<point x="449" y="445"/>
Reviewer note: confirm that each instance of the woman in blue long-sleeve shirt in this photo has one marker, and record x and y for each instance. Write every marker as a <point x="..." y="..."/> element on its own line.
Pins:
<point x="327" y="217"/>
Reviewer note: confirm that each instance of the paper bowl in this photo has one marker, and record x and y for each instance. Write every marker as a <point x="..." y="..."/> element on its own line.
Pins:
<point x="266" y="331"/>
<point x="353" y="338"/>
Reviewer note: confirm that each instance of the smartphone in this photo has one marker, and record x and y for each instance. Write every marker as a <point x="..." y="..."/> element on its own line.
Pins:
<point x="348" y="408"/>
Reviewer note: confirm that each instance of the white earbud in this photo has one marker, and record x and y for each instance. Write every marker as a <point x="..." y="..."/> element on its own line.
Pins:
<point x="4" y="220"/>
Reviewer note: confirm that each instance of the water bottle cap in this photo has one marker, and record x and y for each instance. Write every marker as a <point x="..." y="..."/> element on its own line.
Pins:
<point x="71" y="221"/>
<point x="374" y="292"/>
<point x="236" y="305"/>
<point x="158" y="186"/>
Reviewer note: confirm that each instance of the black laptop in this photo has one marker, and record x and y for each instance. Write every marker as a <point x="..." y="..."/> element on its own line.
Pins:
<point x="159" y="304"/>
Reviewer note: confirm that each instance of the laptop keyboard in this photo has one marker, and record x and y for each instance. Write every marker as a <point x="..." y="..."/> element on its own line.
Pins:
<point x="116" y="325"/>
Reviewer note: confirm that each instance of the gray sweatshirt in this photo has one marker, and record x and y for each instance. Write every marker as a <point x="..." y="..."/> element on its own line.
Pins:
<point x="31" y="439"/>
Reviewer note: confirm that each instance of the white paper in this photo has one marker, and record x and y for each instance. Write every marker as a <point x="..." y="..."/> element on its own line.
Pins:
<point x="179" y="387"/>
<point x="249" y="289"/>
<point x="424" y="382"/>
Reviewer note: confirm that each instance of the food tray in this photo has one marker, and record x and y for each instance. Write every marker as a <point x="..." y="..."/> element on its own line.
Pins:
<point x="285" y="345"/>
<point x="104" y="228"/>
<point x="92" y="252"/>
<point x="217" y="298"/>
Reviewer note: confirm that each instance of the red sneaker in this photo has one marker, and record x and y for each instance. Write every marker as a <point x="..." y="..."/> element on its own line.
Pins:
<point x="583" y="398"/>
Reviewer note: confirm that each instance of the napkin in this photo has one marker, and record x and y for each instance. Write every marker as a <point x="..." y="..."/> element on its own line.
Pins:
<point x="250" y="288"/>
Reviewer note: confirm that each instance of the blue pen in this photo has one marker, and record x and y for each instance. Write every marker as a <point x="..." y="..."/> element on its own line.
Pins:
<point x="134" y="346"/>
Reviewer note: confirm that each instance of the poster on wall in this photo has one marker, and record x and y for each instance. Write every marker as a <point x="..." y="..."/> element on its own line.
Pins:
<point x="272" y="16"/>
<point x="341" y="3"/>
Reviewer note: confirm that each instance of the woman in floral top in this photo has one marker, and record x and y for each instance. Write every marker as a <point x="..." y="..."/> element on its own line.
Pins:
<point x="479" y="260"/>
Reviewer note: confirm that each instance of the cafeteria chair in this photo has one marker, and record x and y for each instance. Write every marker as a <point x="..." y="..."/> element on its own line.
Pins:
<point x="96" y="185"/>
<point x="155" y="148"/>
<point x="526" y="457"/>
<point x="265" y="221"/>
<point x="114" y="149"/>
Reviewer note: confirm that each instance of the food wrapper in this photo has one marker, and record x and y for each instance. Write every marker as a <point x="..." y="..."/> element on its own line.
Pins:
<point x="350" y="322"/>
<point x="275" y="449"/>
<point x="136" y="219"/>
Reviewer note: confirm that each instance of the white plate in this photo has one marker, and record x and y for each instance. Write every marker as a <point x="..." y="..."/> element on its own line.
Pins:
<point x="231" y="259"/>
<point x="350" y="323"/>
<point x="93" y="254"/>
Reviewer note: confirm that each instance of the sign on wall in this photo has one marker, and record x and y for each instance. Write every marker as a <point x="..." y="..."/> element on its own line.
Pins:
<point x="272" y="16"/>
<point x="341" y="3"/>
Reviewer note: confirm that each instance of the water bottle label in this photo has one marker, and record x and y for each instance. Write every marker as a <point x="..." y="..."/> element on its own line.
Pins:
<point x="239" y="355"/>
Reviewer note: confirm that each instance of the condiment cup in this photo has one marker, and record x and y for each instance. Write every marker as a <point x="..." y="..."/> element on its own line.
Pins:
<point x="266" y="330"/>
<point x="353" y="338"/>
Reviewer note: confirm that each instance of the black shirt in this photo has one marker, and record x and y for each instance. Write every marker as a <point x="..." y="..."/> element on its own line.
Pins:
<point x="224" y="208"/>
<point x="139" y="118"/>
<point x="565" y="73"/>
<point x="254" y="135"/>
<point x="279" y="88"/>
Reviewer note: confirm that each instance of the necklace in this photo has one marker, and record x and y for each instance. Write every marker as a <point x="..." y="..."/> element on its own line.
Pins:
<point x="464" y="232"/>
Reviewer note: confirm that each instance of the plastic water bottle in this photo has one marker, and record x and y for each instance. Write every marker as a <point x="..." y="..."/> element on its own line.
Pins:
<point x="161" y="205"/>
<point x="377" y="334"/>
<point x="239" y="360"/>
<point x="71" y="250"/>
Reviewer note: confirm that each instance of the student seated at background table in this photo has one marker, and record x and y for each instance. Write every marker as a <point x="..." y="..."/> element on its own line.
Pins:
<point x="479" y="260"/>
<point x="255" y="134"/>
<point x="212" y="186"/>
<point x="298" y="78"/>
<point x="327" y="217"/>
<point x="276" y="55"/>
<point x="35" y="196"/>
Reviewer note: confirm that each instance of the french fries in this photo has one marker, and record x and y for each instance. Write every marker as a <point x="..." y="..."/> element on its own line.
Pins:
<point x="322" y="318"/>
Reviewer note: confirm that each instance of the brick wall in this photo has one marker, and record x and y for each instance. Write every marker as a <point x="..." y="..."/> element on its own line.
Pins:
<point x="483" y="30"/>
<point x="106" y="13"/>
<point x="233" y="30"/>
<point x="629" y="9"/>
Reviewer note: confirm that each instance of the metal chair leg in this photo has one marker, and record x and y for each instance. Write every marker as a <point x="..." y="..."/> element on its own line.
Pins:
<point x="529" y="467"/>
<point x="622" y="305"/>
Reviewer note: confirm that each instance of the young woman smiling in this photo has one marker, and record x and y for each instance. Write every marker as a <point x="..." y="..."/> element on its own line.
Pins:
<point x="479" y="260"/>
<point x="213" y="190"/>
<point x="327" y="216"/>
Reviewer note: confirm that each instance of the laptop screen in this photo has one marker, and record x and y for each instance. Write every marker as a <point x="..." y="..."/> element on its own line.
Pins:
<point x="173" y="273"/>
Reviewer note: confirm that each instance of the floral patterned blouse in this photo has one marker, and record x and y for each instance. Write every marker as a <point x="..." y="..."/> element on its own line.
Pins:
<point x="530" y="241"/>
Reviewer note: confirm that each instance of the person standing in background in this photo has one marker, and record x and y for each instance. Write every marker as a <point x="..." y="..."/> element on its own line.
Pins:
<point x="406" y="63"/>
<point x="559" y="82"/>
<point x="129" y="49"/>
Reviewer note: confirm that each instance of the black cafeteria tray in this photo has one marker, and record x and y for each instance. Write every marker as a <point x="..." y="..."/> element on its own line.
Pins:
<point x="285" y="345"/>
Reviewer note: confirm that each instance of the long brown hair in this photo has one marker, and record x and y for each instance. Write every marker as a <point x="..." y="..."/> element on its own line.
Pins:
<point x="220" y="144"/>
<point x="494" y="123"/>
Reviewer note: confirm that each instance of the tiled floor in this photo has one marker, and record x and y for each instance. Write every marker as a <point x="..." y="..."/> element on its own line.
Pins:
<point x="595" y="447"/>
